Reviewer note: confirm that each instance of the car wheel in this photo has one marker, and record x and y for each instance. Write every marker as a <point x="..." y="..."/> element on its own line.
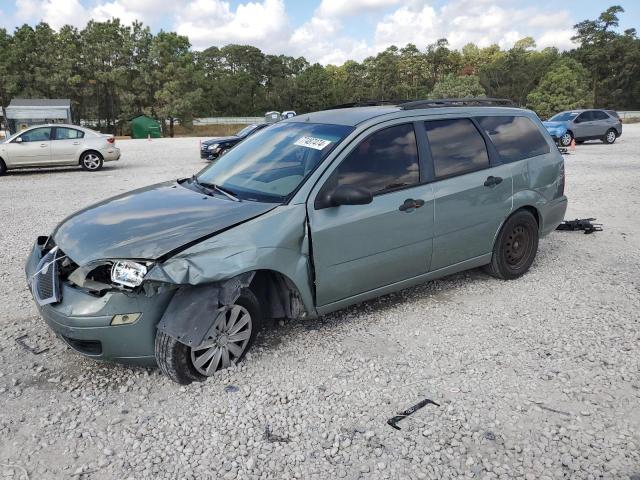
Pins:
<point x="3" y="168"/>
<point x="565" y="139"/>
<point x="515" y="247"/>
<point x="226" y="343"/>
<point x="91" y="161"/>
<point x="610" y="136"/>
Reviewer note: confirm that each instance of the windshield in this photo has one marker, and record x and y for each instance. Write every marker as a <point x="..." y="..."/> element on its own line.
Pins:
<point x="246" y="130"/>
<point x="563" y="116"/>
<point x="271" y="164"/>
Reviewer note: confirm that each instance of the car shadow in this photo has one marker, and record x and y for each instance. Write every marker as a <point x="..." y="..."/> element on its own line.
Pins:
<point x="39" y="171"/>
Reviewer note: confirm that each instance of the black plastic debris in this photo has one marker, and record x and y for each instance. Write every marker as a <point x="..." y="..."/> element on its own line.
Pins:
<point x="393" y="422"/>
<point x="273" y="438"/>
<point x="231" y="389"/>
<point x="585" y="224"/>
<point x="489" y="435"/>
<point x="36" y="351"/>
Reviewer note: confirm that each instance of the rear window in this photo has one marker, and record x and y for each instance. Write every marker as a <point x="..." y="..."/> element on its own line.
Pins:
<point x="515" y="138"/>
<point x="456" y="147"/>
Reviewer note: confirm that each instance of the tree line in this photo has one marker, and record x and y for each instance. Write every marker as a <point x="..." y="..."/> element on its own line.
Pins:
<point x="112" y="72"/>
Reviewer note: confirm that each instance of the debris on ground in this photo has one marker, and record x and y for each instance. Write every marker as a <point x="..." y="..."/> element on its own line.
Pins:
<point x="273" y="438"/>
<point x="580" y="224"/>
<point x="36" y="351"/>
<point x="393" y="421"/>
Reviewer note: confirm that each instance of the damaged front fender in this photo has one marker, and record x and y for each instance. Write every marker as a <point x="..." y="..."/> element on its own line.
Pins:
<point x="275" y="242"/>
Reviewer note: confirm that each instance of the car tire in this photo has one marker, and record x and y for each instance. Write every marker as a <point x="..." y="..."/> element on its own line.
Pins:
<point x="184" y="364"/>
<point x="610" y="136"/>
<point x="516" y="246"/>
<point x="91" y="161"/>
<point x="565" y="140"/>
<point x="3" y="167"/>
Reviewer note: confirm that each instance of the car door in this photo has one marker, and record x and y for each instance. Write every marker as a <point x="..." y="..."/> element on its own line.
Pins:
<point x="472" y="192"/>
<point x="66" y="145"/>
<point x="583" y="126"/>
<point x="602" y="123"/>
<point x="359" y="248"/>
<point x="31" y="148"/>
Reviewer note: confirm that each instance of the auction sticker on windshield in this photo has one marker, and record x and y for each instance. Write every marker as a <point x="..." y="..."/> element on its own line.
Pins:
<point x="312" y="142"/>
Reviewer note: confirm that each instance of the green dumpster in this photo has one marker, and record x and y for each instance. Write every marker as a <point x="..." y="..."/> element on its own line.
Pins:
<point x="144" y="127"/>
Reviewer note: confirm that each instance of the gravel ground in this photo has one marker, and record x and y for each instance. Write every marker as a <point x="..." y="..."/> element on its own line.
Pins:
<point x="535" y="378"/>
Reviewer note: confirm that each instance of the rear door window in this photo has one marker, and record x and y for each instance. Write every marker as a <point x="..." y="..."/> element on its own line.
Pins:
<point x="600" y="115"/>
<point x="457" y="147"/>
<point x="387" y="160"/>
<point x="515" y="138"/>
<point x="68" y="133"/>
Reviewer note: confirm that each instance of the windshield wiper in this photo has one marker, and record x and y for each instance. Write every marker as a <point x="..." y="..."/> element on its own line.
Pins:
<point x="225" y="191"/>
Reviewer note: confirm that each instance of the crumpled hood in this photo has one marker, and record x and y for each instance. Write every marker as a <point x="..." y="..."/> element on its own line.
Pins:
<point x="149" y="223"/>
<point x="554" y="126"/>
<point x="231" y="138"/>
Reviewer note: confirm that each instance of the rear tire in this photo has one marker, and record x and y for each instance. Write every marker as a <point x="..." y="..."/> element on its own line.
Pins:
<point x="176" y="360"/>
<point x="516" y="246"/>
<point x="610" y="136"/>
<point x="91" y="161"/>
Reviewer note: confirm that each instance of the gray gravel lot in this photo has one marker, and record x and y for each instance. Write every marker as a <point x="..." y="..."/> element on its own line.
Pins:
<point x="536" y="378"/>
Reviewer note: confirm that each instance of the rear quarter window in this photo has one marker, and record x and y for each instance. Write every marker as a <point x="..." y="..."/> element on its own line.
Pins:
<point x="515" y="138"/>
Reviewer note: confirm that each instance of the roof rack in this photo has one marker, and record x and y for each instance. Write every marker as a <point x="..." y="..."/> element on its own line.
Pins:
<point x="457" y="102"/>
<point x="430" y="103"/>
<point x="368" y="103"/>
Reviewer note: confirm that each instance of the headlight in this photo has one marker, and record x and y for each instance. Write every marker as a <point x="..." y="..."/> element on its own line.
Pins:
<point x="213" y="146"/>
<point x="127" y="273"/>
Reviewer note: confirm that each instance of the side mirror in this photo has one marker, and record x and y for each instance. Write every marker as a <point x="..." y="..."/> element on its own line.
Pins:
<point x="349" y="195"/>
<point x="18" y="140"/>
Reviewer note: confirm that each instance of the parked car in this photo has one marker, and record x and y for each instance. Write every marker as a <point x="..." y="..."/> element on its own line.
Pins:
<point x="316" y="213"/>
<point x="288" y="114"/>
<point x="583" y="125"/>
<point x="216" y="147"/>
<point x="57" y="145"/>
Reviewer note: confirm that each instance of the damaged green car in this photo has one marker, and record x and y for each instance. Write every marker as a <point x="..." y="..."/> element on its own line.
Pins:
<point x="308" y="216"/>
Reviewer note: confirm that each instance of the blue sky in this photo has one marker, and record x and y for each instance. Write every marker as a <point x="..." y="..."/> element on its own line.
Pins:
<point x="331" y="31"/>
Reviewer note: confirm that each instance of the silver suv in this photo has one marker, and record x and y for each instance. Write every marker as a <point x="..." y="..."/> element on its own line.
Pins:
<point x="583" y="125"/>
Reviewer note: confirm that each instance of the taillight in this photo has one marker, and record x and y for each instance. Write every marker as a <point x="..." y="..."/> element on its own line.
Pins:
<point x="111" y="140"/>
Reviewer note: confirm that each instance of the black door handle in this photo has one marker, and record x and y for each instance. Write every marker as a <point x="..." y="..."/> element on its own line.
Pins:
<point x="410" y="204"/>
<point x="492" y="181"/>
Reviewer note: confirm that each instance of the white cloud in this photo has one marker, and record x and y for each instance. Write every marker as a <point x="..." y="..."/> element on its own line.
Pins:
<point x="556" y="38"/>
<point x="482" y="22"/>
<point x="213" y="22"/>
<point x="336" y="8"/>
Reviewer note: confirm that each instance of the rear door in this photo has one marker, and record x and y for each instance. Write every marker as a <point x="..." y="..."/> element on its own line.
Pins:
<point x="358" y="248"/>
<point x="66" y="145"/>
<point x="472" y="191"/>
<point x="33" y="150"/>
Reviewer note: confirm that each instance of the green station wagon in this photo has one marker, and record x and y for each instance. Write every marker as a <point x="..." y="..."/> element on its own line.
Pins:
<point x="308" y="216"/>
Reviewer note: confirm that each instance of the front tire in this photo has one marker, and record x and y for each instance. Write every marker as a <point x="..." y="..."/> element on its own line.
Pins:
<point x="565" y="139"/>
<point x="226" y="343"/>
<point x="610" y="136"/>
<point x="515" y="247"/>
<point x="3" y="168"/>
<point x="91" y="161"/>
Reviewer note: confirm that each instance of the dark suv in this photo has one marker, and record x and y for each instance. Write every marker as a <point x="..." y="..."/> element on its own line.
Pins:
<point x="214" y="148"/>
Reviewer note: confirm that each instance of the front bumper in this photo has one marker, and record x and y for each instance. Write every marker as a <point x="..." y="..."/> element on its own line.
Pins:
<point x="83" y="320"/>
<point x="207" y="154"/>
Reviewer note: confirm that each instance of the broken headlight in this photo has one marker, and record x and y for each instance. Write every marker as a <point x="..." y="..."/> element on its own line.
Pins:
<point x="128" y="273"/>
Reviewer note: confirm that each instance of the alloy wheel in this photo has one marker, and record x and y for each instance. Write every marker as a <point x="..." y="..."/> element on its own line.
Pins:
<point x="565" y="140"/>
<point x="225" y="342"/>
<point x="91" y="161"/>
<point x="611" y="136"/>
